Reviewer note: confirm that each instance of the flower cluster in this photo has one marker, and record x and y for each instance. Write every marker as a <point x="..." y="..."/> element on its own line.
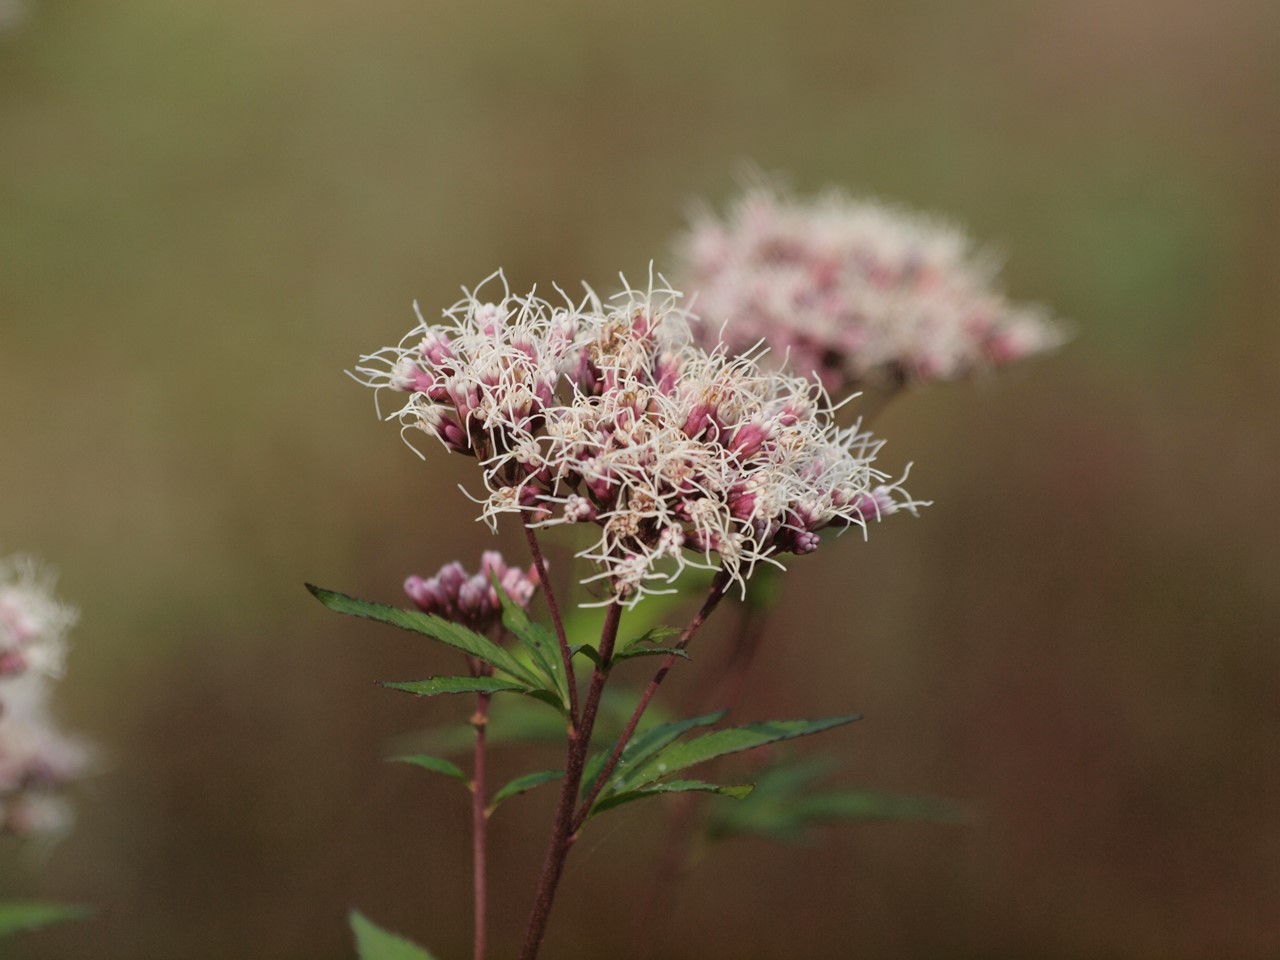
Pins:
<point x="853" y="292"/>
<point x="473" y="600"/>
<point x="36" y="759"/>
<point x="605" y="413"/>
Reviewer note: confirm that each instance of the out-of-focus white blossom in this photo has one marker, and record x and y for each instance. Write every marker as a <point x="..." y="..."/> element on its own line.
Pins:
<point x="606" y="413"/>
<point x="33" y="625"/>
<point x="36" y="758"/>
<point x="853" y="292"/>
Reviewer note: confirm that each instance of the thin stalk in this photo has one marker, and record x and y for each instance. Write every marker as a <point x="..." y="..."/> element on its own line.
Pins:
<point x="479" y="823"/>
<point x="718" y="586"/>
<point x="562" y="830"/>
<point x="674" y="862"/>
<point x="566" y="657"/>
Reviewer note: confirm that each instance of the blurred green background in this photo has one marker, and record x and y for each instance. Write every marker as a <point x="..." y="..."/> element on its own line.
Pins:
<point x="207" y="210"/>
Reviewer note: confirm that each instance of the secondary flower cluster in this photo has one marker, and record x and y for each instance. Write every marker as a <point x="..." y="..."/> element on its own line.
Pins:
<point x="854" y="292"/>
<point x="606" y="413"/>
<point x="472" y="600"/>
<point x="36" y="759"/>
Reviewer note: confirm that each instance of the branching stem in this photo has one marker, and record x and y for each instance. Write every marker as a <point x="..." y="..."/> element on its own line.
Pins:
<point x="562" y="828"/>
<point x="718" y="586"/>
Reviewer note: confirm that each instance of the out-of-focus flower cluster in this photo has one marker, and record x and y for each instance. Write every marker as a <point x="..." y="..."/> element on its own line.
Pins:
<point x="607" y="413"/>
<point x="473" y="600"/>
<point x="854" y="292"/>
<point x="36" y="758"/>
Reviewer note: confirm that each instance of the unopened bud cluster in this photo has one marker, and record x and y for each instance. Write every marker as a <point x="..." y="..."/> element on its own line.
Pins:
<point x="854" y="292"/>
<point x="606" y="413"/>
<point x="472" y="600"/>
<point x="36" y="758"/>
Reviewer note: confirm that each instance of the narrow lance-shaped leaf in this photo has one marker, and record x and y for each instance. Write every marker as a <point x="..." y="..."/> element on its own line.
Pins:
<point x="32" y="915"/>
<point x="540" y="642"/>
<point x="782" y="807"/>
<point x="434" y="686"/>
<point x="523" y="785"/>
<point x="375" y="943"/>
<point x="737" y="792"/>
<point x="654" y="635"/>
<point x="651" y="652"/>
<point x="644" y="746"/>
<point x="681" y="756"/>
<point x="429" y="625"/>
<point x="435" y="765"/>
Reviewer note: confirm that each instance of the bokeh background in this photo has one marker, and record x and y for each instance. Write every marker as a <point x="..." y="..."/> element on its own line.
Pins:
<point x="208" y="209"/>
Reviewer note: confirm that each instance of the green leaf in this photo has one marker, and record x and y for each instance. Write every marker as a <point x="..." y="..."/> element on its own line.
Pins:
<point x="651" y="652"/>
<point x="522" y="785"/>
<point x="433" y="686"/>
<point x="587" y="650"/>
<point x="681" y="756"/>
<point x="17" y="916"/>
<point x="429" y="625"/>
<point x="374" y="943"/>
<point x="642" y="747"/>
<point x="550" y="698"/>
<point x="672" y="786"/>
<point x="786" y="801"/>
<point x="541" y="643"/>
<point x="435" y="765"/>
<point x="653" y="635"/>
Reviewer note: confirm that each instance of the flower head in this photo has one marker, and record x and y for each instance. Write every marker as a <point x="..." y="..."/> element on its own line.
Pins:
<point x="36" y="758"/>
<point x="33" y="625"/>
<point x="605" y="414"/>
<point x="854" y="292"/>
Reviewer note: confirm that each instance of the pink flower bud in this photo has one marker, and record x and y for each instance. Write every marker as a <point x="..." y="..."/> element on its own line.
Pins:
<point x="426" y="594"/>
<point x="436" y="348"/>
<point x="748" y="439"/>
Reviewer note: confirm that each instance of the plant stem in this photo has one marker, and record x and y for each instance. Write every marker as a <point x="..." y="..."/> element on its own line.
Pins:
<point x="562" y="829"/>
<point x="718" y="586"/>
<point x="674" y="863"/>
<point x="479" y="822"/>
<point x="566" y="657"/>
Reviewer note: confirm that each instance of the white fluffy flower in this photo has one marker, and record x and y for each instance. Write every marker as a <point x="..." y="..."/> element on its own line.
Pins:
<point x="605" y="413"/>
<point x="36" y="758"/>
<point x="854" y="292"/>
<point x="33" y="625"/>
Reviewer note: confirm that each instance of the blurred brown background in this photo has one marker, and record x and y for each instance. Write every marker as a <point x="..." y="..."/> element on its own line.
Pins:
<point x="207" y="210"/>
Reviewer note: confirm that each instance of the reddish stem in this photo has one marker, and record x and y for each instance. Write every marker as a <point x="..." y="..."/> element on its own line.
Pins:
<point x="674" y="863"/>
<point x="566" y="656"/>
<point x="479" y="822"/>
<point x="718" y="586"/>
<point x="562" y="828"/>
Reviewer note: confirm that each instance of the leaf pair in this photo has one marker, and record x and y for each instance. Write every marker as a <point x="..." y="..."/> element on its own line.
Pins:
<point x="539" y="678"/>
<point x="521" y="784"/>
